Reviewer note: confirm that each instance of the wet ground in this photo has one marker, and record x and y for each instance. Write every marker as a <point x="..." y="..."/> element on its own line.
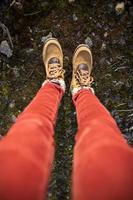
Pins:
<point x="109" y="36"/>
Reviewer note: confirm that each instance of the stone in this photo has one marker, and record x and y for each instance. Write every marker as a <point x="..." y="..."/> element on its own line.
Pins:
<point x="29" y="51"/>
<point x="12" y="104"/>
<point x="105" y="34"/>
<point x="44" y="38"/>
<point x="89" y="42"/>
<point x="103" y="47"/>
<point x="71" y="1"/>
<point x="75" y="18"/>
<point x="5" y="49"/>
<point x="16" y="72"/>
<point x="122" y="41"/>
<point x="120" y="7"/>
<point x="13" y="118"/>
<point x="98" y="25"/>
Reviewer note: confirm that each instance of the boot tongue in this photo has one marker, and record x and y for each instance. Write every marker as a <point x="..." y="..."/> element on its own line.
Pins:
<point x="55" y="70"/>
<point x="54" y="60"/>
<point x="83" y="66"/>
<point x="83" y="75"/>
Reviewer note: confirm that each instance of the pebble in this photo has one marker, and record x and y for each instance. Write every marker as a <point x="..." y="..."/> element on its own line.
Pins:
<point x="13" y="118"/>
<point x="130" y="103"/>
<point x="110" y="7"/>
<point x="79" y="34"/>
<point x="71" y="1"/>
<point x="131" y="129"/>
<point x="16" y="72"/>
<point x="44" y="38"/>
<point x="122" y="42"/>
<point x="102" y="61"/>
<point x="12" y="104"/>
<point x="29" y="51"/>
<point x="5" y="49"/>
<point x="89" y="42"/>
<point x="103" y="47"/>
<point x="119" y="8"/>
<point x="67" y="58"/>
<point x="75" y="18"/>
<point x="98" y="25"/>
<point x="105" y="34"/>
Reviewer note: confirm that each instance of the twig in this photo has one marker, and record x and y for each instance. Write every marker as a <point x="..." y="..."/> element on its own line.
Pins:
<point x="30" y="14"/>
<point x="130" y="115"/>
<point x="121" y="104"/>
<point x="115" y="63"/>
<point x="30" y="74"/>
<point x="5" y="30"/>
<point x="12" y="3"/>
<point x="120" y="68"/>
<point x="128" y="110"/>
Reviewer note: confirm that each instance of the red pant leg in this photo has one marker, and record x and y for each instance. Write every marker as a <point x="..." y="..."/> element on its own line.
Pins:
<point x="103" y="161"/>
<point x="26" y="153"/>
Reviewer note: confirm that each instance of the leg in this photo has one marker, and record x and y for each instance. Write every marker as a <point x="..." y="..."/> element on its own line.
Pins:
<point x="103" y="162"/>
<point x="26" y="153"/>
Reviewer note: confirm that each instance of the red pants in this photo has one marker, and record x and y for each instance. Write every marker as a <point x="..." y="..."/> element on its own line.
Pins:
<point x="103" y="162"/>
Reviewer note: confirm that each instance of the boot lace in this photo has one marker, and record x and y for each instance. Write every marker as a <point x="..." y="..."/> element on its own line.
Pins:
<point x="55" y="69"/>
<point x="83" y="78"/>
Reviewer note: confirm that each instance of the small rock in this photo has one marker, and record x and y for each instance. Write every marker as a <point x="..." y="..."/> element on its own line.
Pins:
<point x="111" y="60"/>
<point x="110" y="7"/>
<point x="16" y="72"/>
<point x="105" y="34"/>
<point x="98" y="25"/>
<point x="71" y="1"/>
<point x="122" y="42"/>
<point x="102" y="61"/>
<point x="103" y="47"/>
<point x="119" y="8"/>
<point x="17" y="5"/>
<point x="13" y="118"/>
<point x="75" y="18"/>
<point x="89" y="42"/>
<point x="29" y="51"/>
<point x="44" y="4"/>
<point x="131" y="128"/>
<point x="44" y="38"/>
<point x="130" y="103"/>
<point x="12" y="104"/>
<point x="93" y="34"/>
<point x="5" y="49"/>
<point x="79" y="34"/>
<point x="67" y="58"/>
<point x="30" y="30"/>
<point x="106" y="28"/>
